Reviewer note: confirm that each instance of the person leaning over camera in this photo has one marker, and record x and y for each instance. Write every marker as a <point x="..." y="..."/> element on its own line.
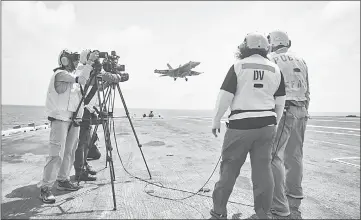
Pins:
<point x="254" y="90"/>
<point x="81" y="165"/>
<point x="83" y="170"/>
<point x="61" y="101"/>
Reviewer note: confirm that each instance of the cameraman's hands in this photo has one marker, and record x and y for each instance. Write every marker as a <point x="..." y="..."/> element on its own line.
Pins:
<point x="93" y="56"/>
<point x="88" y="57"/>
<point x="124" y="77"/>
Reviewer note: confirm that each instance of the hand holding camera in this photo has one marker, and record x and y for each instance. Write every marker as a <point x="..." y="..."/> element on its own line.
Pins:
<point x="123" y="77"/>
<point x="88" y="57"/>
<point x="93" y="56"/>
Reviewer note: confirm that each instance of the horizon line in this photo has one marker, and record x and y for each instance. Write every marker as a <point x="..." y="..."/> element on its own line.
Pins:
<point x="208" y="109"/>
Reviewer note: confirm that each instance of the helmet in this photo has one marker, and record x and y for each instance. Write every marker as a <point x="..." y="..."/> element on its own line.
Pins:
<point x="67" y="58"/>
<point x="277" y="38"/>
<point x="256" y="41"/>
<point x="63" y="59"/>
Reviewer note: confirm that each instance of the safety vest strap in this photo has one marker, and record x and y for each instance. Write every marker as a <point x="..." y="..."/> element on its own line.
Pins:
<point x="243" y="111"/>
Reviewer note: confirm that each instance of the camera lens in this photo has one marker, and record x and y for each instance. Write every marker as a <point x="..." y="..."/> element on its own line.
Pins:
<point x="103" y="55"/>
<point x="121" y="67"/>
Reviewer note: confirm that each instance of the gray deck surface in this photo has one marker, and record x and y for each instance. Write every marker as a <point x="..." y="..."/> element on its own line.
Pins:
<point x="331" y="185"/>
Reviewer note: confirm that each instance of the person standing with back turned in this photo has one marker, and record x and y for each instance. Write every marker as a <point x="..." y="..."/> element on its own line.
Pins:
<point x="287" y="150"/>
<point x="255" y="92"/>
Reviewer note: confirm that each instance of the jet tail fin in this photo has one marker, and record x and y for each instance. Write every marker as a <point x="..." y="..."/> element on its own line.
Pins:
<point x="169" y="66"/>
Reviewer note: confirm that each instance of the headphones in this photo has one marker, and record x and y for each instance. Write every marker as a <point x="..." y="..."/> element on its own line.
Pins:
<point x="66" y="58"/>
<point x="63" y="58"/>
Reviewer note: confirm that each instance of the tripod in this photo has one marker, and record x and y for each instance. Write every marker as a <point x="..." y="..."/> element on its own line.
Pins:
<point x="105" y="112"/>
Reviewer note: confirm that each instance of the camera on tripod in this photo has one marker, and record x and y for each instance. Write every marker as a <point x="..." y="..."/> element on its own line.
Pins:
<point x="110" y="65"/>
<point x="106" y="100"/>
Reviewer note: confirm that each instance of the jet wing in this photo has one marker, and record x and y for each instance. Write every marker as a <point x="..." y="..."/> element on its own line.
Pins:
<point x="161" y="71"/>
<point x="195" y="73"/>
<point x="184" y="68"/>
<point x="190" y="73"/>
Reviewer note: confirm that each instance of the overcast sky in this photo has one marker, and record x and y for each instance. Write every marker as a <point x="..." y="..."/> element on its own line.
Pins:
<point x="148" y="35"/>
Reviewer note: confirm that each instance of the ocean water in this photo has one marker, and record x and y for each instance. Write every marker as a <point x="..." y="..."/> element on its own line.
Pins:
<point x="12" y="115"/>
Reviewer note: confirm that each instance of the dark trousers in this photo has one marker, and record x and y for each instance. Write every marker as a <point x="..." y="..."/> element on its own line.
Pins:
<point x="236" y="145"/>
<point x="82" y="150"/>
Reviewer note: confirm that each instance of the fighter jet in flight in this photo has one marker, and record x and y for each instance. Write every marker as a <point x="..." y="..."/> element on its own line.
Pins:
<point x="181" y="72"/>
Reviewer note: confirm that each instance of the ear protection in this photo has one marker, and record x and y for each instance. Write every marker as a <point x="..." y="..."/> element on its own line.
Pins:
<point x="63" y="60"/>
<point x="67" y="59"/>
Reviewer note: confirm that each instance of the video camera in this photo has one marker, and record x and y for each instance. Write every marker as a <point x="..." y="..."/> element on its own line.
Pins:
<point x="110" y="65"/>
<point x="73" y="56"/>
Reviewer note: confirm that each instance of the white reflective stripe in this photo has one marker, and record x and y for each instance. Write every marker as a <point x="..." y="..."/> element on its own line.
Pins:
<point x="258" y="66"/>
<point x="252" y="115"/>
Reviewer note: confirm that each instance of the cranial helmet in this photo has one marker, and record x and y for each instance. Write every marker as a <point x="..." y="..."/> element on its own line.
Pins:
<point x="66" y="57"/>
<point x="277" y="38"/>
<point x="256" y="41"/>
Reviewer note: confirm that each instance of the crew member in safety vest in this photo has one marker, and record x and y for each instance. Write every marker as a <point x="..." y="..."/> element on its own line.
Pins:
<point x="61" y="102"/>
<point x="288" y="145"/>
<point x="254" y="90"/>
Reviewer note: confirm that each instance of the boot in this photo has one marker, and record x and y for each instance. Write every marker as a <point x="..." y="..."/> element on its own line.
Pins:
<point x="216" y="215"/>
<point x="90" y="170"/>
<point x="84" y="176"/>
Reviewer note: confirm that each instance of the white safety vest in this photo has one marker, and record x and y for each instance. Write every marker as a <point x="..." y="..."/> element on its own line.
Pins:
<point x="294" y="70"/>
<point x="257" y="81"/>
<point x="57" y="105"/>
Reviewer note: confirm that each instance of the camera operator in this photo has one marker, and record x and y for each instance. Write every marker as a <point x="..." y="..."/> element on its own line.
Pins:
<point x="61" y="101"/>
<point x="81" y="165"/>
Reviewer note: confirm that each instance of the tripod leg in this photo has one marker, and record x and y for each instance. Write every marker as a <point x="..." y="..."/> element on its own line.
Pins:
<point x="108" y="144"/>
<point x="109" y="158"/>
<point x="106" y="160"/>
<point x="112" y="178"/>
<point x="110" y="162"/>
<point x="131" y="124"/>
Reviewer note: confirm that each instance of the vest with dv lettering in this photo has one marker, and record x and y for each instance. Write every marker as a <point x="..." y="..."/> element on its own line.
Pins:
<point x="294" y="70"/>
<point x="257" y="81"/>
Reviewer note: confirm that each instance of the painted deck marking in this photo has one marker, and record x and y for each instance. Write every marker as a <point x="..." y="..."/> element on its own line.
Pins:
<point x="318" y="126"/>
<point x="340" y="160"/>
<point x="327" y="132"/>
<point x="327" y="142"/>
